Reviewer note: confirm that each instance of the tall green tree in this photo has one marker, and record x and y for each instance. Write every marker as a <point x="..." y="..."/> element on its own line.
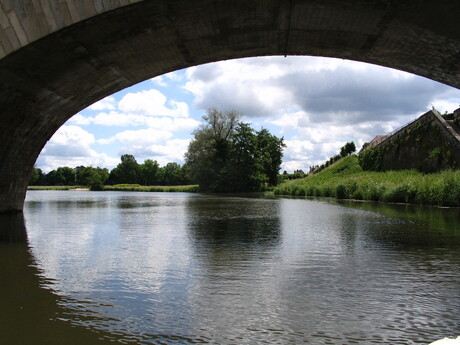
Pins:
<point x="173" y="174"/>
<point x="97" y="178"/>
<point x="37" y="177"/>
<point x="347" y="149"/>
<point x="150" y="171"/>
<point x="270" y="148"/>
<point x="90" y="176"/>
<point x="62" y="176"/>
<point x="128" y="171"/>
<point x="201" y="159"/>
<point x="243" y="169"/>
<point x="225" y="155"/>
<point x="207" y="152"/>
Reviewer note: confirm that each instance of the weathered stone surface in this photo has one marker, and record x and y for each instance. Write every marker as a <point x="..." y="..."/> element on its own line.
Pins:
<point x="59" y="56"/>
<point x="428" y="144"/>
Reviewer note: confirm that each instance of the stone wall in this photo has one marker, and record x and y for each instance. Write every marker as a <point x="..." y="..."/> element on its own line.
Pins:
<point x="22" y="22"/>
<point x="427" y="144"/>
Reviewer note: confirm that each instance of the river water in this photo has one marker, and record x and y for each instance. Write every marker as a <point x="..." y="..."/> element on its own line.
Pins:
<point x="165" y="268"/>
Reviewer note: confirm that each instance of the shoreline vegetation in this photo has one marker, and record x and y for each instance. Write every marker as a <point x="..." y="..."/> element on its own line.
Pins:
<point x="124" y="188"/>
<point x="345" y="179"/>
<point x="342" y="180"/>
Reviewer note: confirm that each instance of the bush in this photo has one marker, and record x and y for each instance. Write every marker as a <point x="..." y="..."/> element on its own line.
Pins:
<point x="358" y="194"/>
<point x="375" y="192"/>
<point x="327" y="191"/>
<point x="340" y="192"/>
<point x="371" y="159"/>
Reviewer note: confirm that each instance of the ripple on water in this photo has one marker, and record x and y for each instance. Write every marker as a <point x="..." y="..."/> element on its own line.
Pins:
<point x="152" y="268"/>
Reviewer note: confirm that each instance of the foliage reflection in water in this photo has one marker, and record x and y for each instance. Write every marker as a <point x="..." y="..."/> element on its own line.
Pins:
<point x="189" y="268"/>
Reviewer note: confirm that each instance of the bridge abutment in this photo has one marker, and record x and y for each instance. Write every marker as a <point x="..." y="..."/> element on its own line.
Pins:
<point x="13" y="187"/>
<point x="18" y="159"/>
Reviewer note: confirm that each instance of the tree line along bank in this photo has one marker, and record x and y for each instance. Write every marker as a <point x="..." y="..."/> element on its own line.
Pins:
<point x="128" y="171"/>
<point x="225" y="155"/>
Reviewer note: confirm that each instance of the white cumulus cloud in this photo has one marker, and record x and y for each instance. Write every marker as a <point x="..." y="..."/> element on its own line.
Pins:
<point x="169" y="151"/>
<point x="138" y="137"/>
<point x="71" y="146"/>
<point x="152" y="102"/>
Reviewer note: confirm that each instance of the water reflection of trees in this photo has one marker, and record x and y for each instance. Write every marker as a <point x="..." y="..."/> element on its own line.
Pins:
<point x="407" y="225"/>
<point x="235" y="242"/>
<point x="231" y="229"/>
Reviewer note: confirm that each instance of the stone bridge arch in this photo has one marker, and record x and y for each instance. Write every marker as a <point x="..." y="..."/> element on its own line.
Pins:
<point x="59" y="56"/>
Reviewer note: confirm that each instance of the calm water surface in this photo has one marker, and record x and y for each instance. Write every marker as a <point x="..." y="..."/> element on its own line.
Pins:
<point x="153" y="268"/>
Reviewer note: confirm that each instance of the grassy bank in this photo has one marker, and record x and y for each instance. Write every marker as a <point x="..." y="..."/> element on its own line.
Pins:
<point x="138" y="188"/>
<point x="346" y="180"/>
<point x="55" y="187"/>
<point x="124" y="188"/>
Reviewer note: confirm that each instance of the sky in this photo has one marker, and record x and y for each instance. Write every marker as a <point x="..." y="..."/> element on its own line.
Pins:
<point x="316" y="104"/>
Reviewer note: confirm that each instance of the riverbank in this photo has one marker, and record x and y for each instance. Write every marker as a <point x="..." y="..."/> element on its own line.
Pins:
<point x="345" y="179"/>
<point x="57" y="188"/>
<point x="124" y="188"/>
<point x="138" y="188"/>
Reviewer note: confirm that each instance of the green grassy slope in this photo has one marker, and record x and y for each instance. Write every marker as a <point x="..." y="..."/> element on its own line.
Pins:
<point x="346" y="180"/>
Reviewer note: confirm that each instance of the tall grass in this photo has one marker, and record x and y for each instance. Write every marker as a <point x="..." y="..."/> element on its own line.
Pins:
<point x="53" y="187"/>
<point x="125" y="188"/>
<point x="346" y="180"/>
<point x="137" y="188"/>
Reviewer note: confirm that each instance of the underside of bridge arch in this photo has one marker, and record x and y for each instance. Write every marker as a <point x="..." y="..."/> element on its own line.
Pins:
<point x="46" y="81"/>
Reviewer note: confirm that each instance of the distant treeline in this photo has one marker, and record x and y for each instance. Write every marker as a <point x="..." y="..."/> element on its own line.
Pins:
<point x="127" y="171"/>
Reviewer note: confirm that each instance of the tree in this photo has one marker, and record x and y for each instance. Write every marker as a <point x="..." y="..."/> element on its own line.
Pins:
<point x="150" y="171"/>
<point x="347" y="149"/>
<point x="37" y="178"/>
<point x="95" y="178"/>
<point x="221" y="125"/>
<point x="128" y="171"/>
<point x="82" y="175"/>
<point x="208" y="151"/>
<point x="229" y="156"/>
<point x="173" y="174"/>
<point x="201" y="159"/>
<point x="243" y="170"/>
<point x="271" y="151"/>
<point x="62" y="176"/>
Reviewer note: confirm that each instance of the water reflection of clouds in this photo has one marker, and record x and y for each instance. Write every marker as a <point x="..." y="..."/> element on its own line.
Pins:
<point x="30" y="313"/>
<point x="183" y="268"/>
<point x="367" y="268"/>
<point x="129" y="264"/>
